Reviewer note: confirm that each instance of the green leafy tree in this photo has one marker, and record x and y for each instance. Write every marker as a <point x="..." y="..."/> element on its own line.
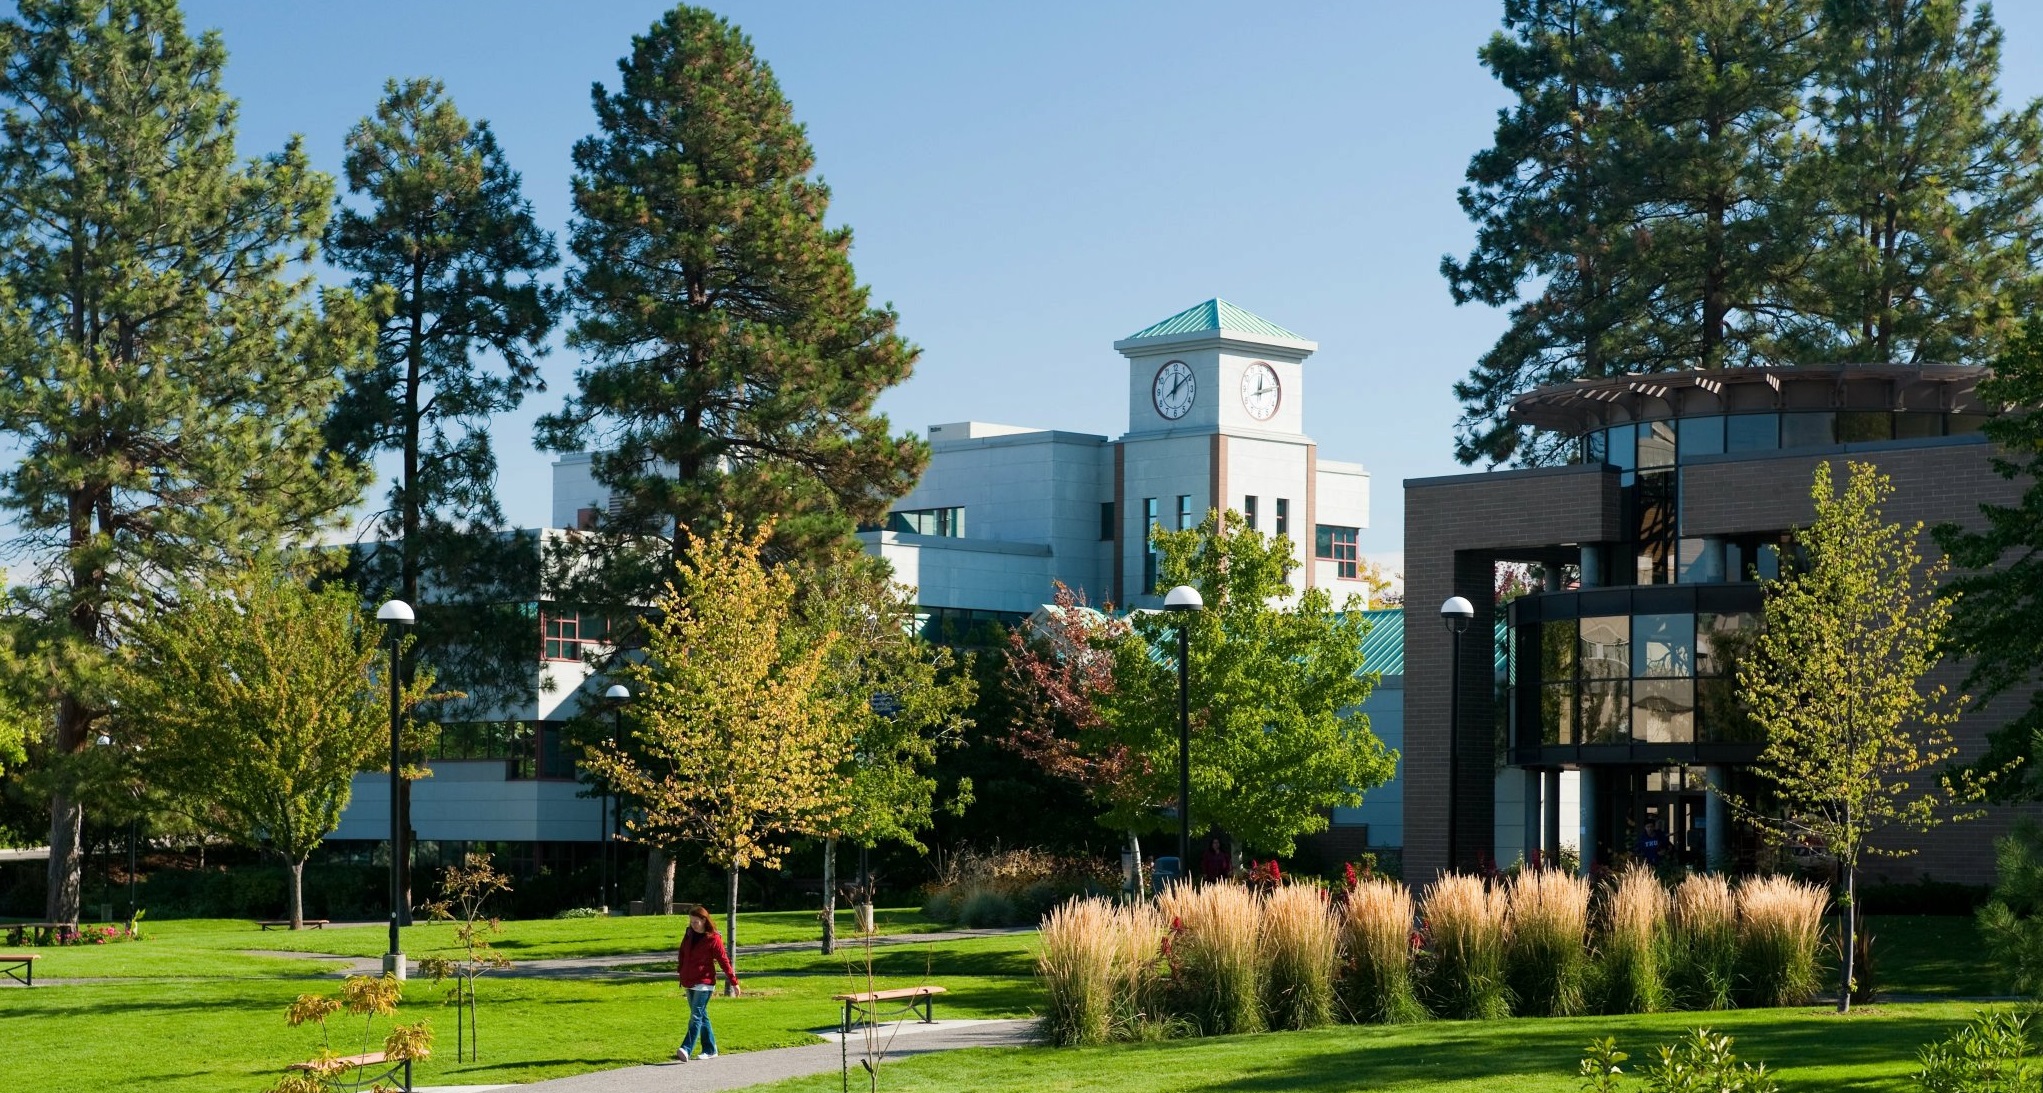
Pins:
<point x="1923" y="194"/>
<point x="445" y="240"/>
<point x="164" y="366"/>
<point x="1837" y="679"/>
<point x="2011" y="923"/>
<point x="902" y="699"/>
<point x="735" y="741"/>
<point x="253" y="702"/>
<point x="1997" y="597"/>
<point x="734" y="357"/>
<point x="1277" y="677"/>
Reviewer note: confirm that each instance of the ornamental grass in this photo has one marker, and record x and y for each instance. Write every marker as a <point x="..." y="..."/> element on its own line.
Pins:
<point x="1079" y="944"/>
<point x="1703" y="970"/>
<point x="1138" y="973"/>
<point x="1216" y="973"/>
<point x="1301" y="956"/>
<point x="1780" y="938"/>
<point x="1634" y="923"/>
<point x="1549" y="936"/>
<point x="1465" y="949"/>
<point x="1376" y="929"/>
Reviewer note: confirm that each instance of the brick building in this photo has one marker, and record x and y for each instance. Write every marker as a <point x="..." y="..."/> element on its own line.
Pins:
<point x="1616" y="707"/>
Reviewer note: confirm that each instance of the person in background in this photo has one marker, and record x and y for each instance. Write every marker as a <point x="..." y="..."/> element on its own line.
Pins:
<point x="700" y="955"/>
<point x="1215" y="865"/>
<point x="1651" y="843"/>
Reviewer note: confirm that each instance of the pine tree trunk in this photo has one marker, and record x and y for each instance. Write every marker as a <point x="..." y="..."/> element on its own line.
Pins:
<point x="67" y="820"/>
<point x="829" y="895"/>
<point x="731" y="923"/>
<point x="659" y="882"/>
<point x="297" y="905"/>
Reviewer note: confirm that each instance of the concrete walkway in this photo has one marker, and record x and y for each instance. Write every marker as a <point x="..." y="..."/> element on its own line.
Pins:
<point x="749" y="1068"/>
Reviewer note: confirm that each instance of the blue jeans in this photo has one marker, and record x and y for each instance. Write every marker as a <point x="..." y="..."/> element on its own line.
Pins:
<point x="698" y="1020"/>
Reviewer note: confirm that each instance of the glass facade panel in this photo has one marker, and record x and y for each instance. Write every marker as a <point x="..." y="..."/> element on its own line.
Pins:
<point x="1701" y="436"/>
<point x="1858" y="425"/>
<point x="1606" y="712"/>
<point x="1654" y="534"/>
<point x="1722" y="717"/>
<point x="1557" y="713"/>
<point x="1701" y="561"/>
<point x="1808" y="430"/>
<point x="1663" y="711"/>
<point x="1596" y="447"/>
<point x="1656" y="444"/>
<point x="1719" y="640"/>
<point x="1752" y="432"/>
<point x="1916" y="426"/>
<point x="1557" y="650"/>
<point x="1663" y="646"/>
<point x="1623" y="453"/>
<point x="1961" y="424"/>
<point x="1606" y="647"/>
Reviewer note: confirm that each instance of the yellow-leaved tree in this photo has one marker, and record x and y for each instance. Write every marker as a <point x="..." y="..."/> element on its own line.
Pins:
<point x="736" y="739"/>
<point x="1837" y="680"/>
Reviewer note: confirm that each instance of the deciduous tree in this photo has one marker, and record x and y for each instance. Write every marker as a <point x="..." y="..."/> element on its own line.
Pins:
<point x="1837" y="680"/>
<point x="164" y="365"/>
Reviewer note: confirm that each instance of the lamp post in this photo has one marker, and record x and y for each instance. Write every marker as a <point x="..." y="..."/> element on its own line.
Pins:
<point x="616" y="696"/>
<point x="1185" y="599"/>
<point x="396" y="615"/>
<point x="1457" y="613"/>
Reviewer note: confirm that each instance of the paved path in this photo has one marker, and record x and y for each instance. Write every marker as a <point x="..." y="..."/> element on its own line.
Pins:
<point x="749" y="1068"/>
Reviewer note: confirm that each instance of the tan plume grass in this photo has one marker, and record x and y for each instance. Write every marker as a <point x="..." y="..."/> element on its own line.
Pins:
<point x="1377" y="934"/>
<point x="1549" y="938"/>
<point x="1634" y="922"/>
<point x="1465" y="948"/>
<point x="1138" y="969"/>
<point x="1301" y="954"/>
<point x="1705" y="943"/>
<point x="1079" y="945"/>
<point x="1216" y="974"/>
<point x="1780" y="937"/>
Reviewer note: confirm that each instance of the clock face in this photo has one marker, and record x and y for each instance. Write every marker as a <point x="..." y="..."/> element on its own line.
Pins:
<point x="1174" y="390"/>
<point x="1259" y="391"/>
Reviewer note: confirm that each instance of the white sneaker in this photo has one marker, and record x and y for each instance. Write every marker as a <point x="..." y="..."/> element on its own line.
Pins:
<point x="708" y="1055"/>
<point x="681" y="1054"/>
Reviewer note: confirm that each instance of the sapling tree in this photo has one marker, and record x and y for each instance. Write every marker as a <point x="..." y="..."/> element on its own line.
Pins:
<point x="1837" y="680"/>
<point x="464" y="889"/>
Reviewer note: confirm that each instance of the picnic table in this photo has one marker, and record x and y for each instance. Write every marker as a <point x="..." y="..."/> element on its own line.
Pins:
<point x="285" y="923"/>
<point x="38" y="933"/>
<point x="19" y="967"/>
<point x="371" y="1069"/>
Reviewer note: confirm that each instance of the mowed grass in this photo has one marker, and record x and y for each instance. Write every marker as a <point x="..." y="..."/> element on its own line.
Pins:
<point x="217" y="948"/>
<point x="193" y="1035"/>
<point x="1872" y="1051"/>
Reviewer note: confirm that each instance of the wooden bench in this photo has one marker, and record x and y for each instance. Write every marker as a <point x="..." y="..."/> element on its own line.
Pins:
<point x="285" y="923"/>
<point x="360" y="1064"/>
<point x="19" y="967"/>
<point x="865" y="1004"/>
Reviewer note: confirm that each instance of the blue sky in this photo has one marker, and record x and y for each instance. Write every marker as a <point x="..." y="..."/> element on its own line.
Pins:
<point x="1028" y="182"/>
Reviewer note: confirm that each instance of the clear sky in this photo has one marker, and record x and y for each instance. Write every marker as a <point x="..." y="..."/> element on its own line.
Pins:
<point x="1029" y="182"/>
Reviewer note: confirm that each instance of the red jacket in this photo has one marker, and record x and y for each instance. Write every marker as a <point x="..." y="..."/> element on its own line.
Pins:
<point x="699" y="957"/>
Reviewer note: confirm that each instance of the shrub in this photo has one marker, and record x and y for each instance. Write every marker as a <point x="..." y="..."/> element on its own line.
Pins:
<point x="579" y="912"/>
<point x="1780" y="933"/>
<point x="1216" y="976"/>
<point x="985" y="907"/>
<point x="1704" y="968"/>
<point x="1036" y="900"/>
<point x="1301" y="952"/>
<point x="1377" y="936"/>
<point x="1702" y="1062"/>
<point x="1076" y="964"/>
<point x="1549" y="928"/>
<point x="1990" y="1054"/>
<point x="1465" y="948"/>
<point x="1634" y="924"/>
<point x="939" y="905"/>
<point x="2012" y="924"/>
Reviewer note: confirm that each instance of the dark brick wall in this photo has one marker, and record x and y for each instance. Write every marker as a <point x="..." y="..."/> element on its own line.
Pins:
<point x="1946" y="482"/>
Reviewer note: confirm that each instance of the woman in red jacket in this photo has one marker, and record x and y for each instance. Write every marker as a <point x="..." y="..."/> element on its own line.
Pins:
<point x="701" y="953"/>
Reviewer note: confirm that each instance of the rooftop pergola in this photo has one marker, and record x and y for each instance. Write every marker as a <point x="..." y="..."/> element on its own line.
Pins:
<point x="1583" y="406"/>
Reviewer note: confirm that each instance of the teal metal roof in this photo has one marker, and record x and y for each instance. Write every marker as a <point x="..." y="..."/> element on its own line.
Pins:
<point x="1383" y="649"/>
<point x="1212" y="316"/>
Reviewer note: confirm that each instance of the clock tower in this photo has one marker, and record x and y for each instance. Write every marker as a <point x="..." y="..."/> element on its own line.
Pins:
<point x="1215" y="421"/>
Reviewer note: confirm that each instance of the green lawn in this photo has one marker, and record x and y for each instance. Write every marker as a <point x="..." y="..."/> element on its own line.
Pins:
<point x="1872" y="1051"/>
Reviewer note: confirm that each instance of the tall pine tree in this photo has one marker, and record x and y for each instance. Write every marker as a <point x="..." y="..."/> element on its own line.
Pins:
<point x="734" y="357"/>
<point x="446" y="240"/>
<point x="164" y="370"/>
<point x="1926" y="194"/>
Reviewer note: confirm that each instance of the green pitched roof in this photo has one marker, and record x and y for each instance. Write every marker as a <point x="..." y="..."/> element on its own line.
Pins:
<point x="1383" y="648"/>
<point x="1212" y="316"/>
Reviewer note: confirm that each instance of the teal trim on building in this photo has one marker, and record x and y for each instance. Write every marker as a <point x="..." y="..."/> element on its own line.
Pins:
<point x="1215" y="315"/>
<point x="1383" y="649"/>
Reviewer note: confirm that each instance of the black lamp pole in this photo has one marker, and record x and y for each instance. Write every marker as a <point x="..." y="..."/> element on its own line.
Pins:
<point x="1185" y="600"/>
<point x="397" y="614"/>
<point x="617" y="696"/>
<point x="1456" y="613"/>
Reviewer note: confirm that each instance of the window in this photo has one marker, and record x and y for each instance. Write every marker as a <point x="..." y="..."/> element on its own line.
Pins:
<point x="1248" y="511"/>
<point x="1818" y="430"/>
<point x="1701" y="436"/>
<point x="946" y="522"/>
<point x="585" y="519"/>
<point x="1338" y="545"/>
<point x="567" y="631"/>
<point x="1656" y="444"/>
<point x="1184" y="511"/>
<point x="1149" y="513"/>
<point x="1752" y="432"/>
<point x="1283" y="516"/>
<point x="1106" y="521"/>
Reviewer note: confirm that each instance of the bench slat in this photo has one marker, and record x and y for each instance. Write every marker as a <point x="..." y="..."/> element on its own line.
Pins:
<point x="374" y="1058"/>
<point x="888" y="995"/>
